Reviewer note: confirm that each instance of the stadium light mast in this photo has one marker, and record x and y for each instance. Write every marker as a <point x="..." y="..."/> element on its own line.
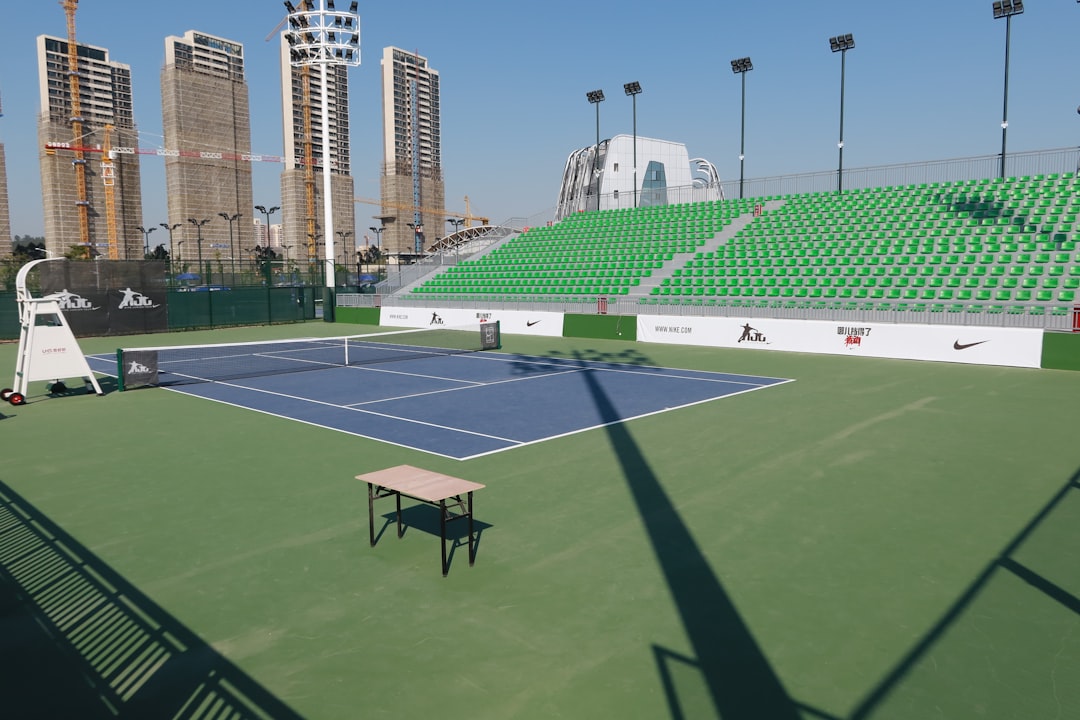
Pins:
<point x="1006" y="9"/>
<point x="741" y="66"/>
<point x="596" y="97"/>
<point x="841" y="44"/>
<point x="633" y="89"/>
<point x="321" y="38"/>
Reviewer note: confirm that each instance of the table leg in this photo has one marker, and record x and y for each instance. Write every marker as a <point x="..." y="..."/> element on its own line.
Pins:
<point x="472" y="551"/>
<point x="400" y="530"/>
<point x="442" y="534"/>
<point x="371" y="515"/>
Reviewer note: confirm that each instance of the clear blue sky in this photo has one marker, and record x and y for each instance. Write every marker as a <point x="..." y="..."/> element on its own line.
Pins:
<point x="920" y="85"/>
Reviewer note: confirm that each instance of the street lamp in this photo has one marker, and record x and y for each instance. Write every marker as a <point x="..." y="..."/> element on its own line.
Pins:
<point x="741" y="66"/>
<point x="321" y="38"/>
<point x="841" y="44"/>
<point x="146" y="239"/>
<point x="230" y="219"/>
<point x="457" y="223"/>
<point x="169" y="229"/>
<point x="633" y="89"/>
<point x="198" y="227"/>
<point x="1006" y="9"/>
<point x="344" y="255"/>
<point x="378" y="241"/>
<point x="267" y="212"/>
<point x="596" y="97"/>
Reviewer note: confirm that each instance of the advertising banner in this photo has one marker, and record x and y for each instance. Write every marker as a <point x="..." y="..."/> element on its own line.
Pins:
<point x="514" y="322"/>
<point x="1017" y="347"/>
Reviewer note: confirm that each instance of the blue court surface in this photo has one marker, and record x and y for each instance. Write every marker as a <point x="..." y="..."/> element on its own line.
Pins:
<point x="466" y="406"/>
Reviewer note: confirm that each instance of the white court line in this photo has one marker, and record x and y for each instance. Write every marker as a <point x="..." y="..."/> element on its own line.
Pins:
<point x="625" y="368"/>
<point x="474" y="386"/>
<point x="626" y="419"/>
<point x="346" y="407"/>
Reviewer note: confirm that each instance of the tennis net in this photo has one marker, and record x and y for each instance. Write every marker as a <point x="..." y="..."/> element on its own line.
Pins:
<point x="187" y="364"/>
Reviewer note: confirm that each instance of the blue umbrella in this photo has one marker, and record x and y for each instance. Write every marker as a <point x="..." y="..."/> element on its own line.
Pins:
<point x="187" y="276"/>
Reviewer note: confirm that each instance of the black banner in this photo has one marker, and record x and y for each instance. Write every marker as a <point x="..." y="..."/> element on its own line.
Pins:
<point x="140" y="368"/>
<point x="109" y="297"/>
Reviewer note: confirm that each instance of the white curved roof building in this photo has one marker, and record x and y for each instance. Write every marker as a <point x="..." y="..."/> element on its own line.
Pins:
<point x="664" y="174"/>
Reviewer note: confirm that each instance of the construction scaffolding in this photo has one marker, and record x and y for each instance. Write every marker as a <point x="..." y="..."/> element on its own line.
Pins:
<point x="205" y="107"/>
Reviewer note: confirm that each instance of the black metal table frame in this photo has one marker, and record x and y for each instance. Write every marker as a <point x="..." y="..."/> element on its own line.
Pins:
<point x="464" y="508"/>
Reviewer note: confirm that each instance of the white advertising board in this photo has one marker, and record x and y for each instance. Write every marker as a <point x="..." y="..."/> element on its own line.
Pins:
<point x="1017" y="347"/>
<point x="512" y="322"/>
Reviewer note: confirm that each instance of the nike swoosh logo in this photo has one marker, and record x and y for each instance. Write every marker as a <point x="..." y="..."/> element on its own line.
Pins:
<point x="959" y="346"/>
<point x="530" y="324"/>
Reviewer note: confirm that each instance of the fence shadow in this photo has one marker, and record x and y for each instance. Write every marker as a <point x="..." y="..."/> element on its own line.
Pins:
<point x="83" y="642"/>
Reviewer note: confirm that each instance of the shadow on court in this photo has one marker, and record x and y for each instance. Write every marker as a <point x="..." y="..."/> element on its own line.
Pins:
<point x="425" y="519"/>
<point x="1042" y="558"/>
<point x="739" y="679"/>
<point x="77" y="640"/>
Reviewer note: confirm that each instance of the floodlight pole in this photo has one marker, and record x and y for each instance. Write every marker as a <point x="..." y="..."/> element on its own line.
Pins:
<point x="198" y="227"/>
<point x="169" y="229"/>
<point x="1006" y="9"/>
<point x="230" y="219"/>
<point x="633" y="89"/>
<point x="146" y="239"/>
<point x="324" y="37"/>
<point x="267" y="212"/>
<point x="344" y="234"/>
<point x="596" y="97"/>
<point x="841" y="44"/>
<point x="457" y="223"/>
<point x="742" y="66"/>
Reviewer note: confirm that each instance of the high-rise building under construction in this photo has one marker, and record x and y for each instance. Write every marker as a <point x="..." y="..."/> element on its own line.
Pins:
<point x="207" y="127"/>
<point x="106" y="207"/>
<point x="302" y="206"/>
<point x="413" y="194"/>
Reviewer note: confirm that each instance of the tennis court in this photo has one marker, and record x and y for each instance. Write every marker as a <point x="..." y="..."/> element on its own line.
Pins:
<point x="878" y="539"/>
<point x="459" y="403"/>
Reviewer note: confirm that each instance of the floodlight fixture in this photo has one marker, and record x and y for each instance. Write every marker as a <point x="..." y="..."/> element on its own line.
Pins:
<point x="632" y="88"/>
<point x="741" y="65"/>
<point x="841" y="43"/>
<point x="1005" y="8"/>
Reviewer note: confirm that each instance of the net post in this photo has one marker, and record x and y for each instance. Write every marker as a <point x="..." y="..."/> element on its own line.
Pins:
<point x="120" y="369"/>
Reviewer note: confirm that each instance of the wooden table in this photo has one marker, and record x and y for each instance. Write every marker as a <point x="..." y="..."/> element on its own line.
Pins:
<point x="444" y="491"/>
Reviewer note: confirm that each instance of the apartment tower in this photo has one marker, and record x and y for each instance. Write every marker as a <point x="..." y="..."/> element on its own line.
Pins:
<point x="207" y="126"/>
<point x="413" y="194"/>
<point x="306" y="149"/>
<point x="105" y="210"/>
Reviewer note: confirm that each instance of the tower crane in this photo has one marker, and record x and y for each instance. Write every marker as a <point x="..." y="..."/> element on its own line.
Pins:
<point x="79" y="163"/>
